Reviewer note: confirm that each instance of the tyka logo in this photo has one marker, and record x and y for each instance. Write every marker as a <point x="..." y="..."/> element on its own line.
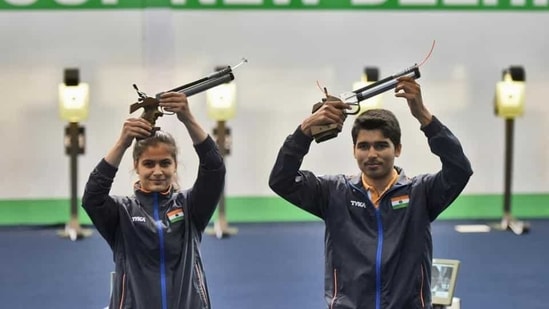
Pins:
<point x="358" y="204"/>
<point x="138" y="219"/>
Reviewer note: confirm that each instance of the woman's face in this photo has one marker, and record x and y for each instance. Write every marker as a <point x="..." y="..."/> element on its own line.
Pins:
<point x="156" y="168"/>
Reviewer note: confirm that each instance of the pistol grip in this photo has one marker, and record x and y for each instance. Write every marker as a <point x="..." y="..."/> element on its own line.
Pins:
<point x="325" y="132"/>
<point x="153" y="132"/>
<point x="151" y="115"/>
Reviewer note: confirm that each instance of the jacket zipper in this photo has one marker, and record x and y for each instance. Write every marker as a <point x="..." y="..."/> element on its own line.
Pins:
<point x="378" y="258"/>
<point x="122" y="295"/>
<point x="332" y="303"/>
<point x="201" y="284"/>
<point x="421" y="289"/>
<point x="379" y="249"/>
<point x="162" y="253"/>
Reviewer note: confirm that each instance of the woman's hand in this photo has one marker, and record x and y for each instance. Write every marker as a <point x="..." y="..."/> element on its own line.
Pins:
<point x="176" y="102"/>
<point x="134" y="128"/>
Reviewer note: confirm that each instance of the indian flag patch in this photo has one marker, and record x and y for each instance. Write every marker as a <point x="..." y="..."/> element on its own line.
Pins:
<point x="400" y="201"/>
<point x="176" y="215"/>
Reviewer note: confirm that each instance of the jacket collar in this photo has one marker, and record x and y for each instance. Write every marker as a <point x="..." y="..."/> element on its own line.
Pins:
<point x="402" y="179"/>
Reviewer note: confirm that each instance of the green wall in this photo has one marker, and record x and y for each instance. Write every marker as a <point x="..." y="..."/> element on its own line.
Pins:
<point x="274" y="209"/>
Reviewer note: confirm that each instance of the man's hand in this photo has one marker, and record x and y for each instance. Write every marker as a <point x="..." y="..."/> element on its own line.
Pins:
<point x="409" y="89"/>
<point x="332" y="111"/>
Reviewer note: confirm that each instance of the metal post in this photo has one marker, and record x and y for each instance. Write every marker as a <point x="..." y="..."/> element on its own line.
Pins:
<point x="73" y="132"/>
<point x="221" y="227"/>
<point x="508" y="222"/>
<point x="509" y="132"/>
<point x="73" y="230"/>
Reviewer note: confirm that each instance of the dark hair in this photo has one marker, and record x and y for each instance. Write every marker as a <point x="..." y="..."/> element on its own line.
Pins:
<point x="378" y="119"/>
<point x="157" y="138"/>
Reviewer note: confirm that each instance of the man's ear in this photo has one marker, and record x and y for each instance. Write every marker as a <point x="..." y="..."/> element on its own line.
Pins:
<point x="398" y="149"/>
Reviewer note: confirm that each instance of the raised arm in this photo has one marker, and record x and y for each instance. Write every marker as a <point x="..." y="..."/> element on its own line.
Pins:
<point x="409" y="89"/>
<point x="446" y="185"/>
<point x="133" y="128"/>
<point x="299" y="187"/>
<point x="177" y="102"/>
<point x="99" y="205"/>
<point x="208" y="186"/>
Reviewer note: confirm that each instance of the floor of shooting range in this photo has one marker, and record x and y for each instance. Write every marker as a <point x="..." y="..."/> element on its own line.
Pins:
<point x="278" y="265"/>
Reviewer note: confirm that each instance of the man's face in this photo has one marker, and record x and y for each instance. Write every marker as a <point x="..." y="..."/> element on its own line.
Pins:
<point x="375" y="154"/>
<point x="156" y="168"/>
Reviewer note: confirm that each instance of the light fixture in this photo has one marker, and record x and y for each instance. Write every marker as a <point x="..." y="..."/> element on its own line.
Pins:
<point x="510" y="93"/>
<point x="73" y="107"/>
<point x="221" y="100"/>
<point x="369" y="76"/>
<point x="73" y="97"/>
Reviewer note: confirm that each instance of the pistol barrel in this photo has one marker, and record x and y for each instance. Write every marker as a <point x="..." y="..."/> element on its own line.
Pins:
<point x="210" y="83"/>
